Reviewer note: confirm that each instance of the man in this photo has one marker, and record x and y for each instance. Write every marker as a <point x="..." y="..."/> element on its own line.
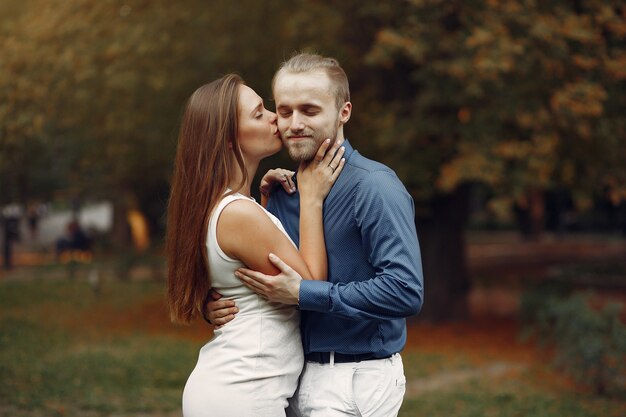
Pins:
<point x="353" y="325"/>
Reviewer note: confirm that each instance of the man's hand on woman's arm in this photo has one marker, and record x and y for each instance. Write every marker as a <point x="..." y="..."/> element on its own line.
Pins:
<point x="282" y="288"/>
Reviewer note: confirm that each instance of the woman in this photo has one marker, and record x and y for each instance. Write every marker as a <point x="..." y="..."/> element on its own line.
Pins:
<point x="250" y="367"/>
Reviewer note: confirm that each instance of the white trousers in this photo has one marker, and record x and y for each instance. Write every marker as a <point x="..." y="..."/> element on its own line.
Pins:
<point x="372" y="388"/>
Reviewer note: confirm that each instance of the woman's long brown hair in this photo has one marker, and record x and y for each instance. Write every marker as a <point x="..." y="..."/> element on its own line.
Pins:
<point x="207" y="143"/>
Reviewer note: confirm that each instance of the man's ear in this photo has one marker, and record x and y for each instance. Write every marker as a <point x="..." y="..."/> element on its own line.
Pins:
<point x="345" y="112"/>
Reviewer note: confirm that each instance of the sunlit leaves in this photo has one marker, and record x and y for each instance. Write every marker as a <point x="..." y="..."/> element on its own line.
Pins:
<point x="579" y="99"/>
<point x="514" y="94"/>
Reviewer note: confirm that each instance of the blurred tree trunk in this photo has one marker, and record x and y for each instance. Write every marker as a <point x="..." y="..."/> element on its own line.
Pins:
<point x="537" y="212"/>
<point x="530" y="214"/>
<point x="121" y="237"/>
<point x="442" y="241"/>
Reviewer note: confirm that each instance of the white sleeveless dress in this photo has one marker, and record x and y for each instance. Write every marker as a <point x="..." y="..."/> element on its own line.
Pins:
<point x="251" y="365"/>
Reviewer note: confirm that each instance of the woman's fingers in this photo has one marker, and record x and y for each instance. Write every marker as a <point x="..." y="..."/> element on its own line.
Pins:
<point x="287" y="181"/>
<point x="334" y="163"/>
<point x="321" y="152"/>
<point x="328" y="157"/>
<point x="277" y="176"/>
<point x="338" y="170"/>
<point x="317" y="176"/>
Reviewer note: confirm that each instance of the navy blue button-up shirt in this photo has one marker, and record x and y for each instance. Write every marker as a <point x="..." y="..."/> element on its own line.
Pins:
<point x="375" y="275"/>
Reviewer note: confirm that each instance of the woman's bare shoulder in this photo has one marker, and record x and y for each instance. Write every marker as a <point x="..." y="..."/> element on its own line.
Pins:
<point x="245" y="217"/>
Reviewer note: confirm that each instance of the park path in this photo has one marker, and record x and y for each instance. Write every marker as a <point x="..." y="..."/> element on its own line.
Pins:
<point x="490" y="251"/>
<point x="486" y="251"/>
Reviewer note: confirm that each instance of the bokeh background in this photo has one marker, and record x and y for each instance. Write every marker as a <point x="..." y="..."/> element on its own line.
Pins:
<point x="505" y="119"/>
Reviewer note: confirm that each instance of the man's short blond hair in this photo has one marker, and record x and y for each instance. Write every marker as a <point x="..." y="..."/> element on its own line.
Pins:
<point x="304" y="62"/>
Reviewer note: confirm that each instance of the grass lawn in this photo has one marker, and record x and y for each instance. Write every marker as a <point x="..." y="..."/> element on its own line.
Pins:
<point x="65" y="351"/>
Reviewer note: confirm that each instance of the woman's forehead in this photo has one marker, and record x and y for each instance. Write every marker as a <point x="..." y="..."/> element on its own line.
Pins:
<point x="248" y="98"/>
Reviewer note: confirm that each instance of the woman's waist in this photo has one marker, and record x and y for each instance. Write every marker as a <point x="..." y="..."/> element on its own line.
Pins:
<point x="279" y="317"/>
<point x="250" y="303"/>
<point x="254" y="336"/>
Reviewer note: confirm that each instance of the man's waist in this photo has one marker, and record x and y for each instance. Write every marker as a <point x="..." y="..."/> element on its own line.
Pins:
<point x="336" y="357"/>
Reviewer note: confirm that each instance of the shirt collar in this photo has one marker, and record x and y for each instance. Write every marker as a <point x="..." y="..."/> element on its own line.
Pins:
<point x="349" y="149"/>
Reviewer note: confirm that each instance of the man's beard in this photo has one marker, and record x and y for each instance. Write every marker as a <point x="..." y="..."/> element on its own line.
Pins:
<point x="305" y="150"/>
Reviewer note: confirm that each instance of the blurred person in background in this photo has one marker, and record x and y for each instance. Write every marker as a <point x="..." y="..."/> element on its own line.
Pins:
<point x="11" y="216"/>
<point x="75" y="239"/>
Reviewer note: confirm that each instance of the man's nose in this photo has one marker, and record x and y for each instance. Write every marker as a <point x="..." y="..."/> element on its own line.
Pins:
<point x="296" y="123"/>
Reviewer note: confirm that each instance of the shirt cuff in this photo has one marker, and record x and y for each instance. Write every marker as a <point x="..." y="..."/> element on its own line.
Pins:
<point x="315" y="295"/>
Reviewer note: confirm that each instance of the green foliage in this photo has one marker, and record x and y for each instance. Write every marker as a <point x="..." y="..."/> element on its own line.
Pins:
<point x="515" y="94"/>
<point x="471" y="90"/>
<point x="590" y="344"/>
<point x="96" y="88"/>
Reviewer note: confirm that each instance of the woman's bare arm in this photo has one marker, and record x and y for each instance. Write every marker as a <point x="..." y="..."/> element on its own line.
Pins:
<point x="315" y="179"/>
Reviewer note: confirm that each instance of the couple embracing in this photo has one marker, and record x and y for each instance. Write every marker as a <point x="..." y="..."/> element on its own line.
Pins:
<point x="309" y="290"/>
